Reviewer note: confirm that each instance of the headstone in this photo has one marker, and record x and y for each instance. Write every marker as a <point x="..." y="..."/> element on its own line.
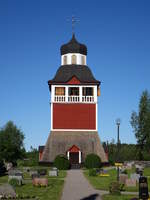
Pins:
<point x="35" y="176"/>
<point x="135" y="177"/>
<point x="19" y="178"/>
<point x="15" y="172"/>
<point x="143" y="188"/>
<point x="6" y="191"/>
<point x="40" y="181"/>
<point x="53" y="172"/>
<point x="98" y="171"/>
<point x="9" y="166"/>
<point x="26" y="169"/>
<point x="42" y="172"/>
<point x="33" y="172"/>
<point x="130" y="182"/>
<point x="122" y="178"/>
<point x="129" y="165"/>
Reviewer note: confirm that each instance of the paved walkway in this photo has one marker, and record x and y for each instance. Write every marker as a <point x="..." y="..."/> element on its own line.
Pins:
<point x="78" y="188"/>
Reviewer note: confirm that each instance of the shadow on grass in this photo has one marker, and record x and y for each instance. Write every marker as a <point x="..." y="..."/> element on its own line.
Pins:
<point x="90" y="197"/>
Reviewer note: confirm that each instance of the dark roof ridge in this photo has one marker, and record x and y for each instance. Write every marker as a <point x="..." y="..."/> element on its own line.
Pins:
<point x="82" y="72"/>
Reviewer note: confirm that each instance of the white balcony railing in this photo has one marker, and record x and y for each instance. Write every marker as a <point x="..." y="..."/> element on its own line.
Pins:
<point x="59" y="98"/>
<point x="75" y="99"/>
<point x="87" y="99"/>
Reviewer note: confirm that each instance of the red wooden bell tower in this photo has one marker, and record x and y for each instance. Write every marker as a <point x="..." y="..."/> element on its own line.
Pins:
<point x="74" y="105"/>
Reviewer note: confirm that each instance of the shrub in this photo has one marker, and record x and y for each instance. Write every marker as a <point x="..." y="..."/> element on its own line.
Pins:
<point x="14" y="182"/>
<point x="114" y="188"/>
<point x="92" y="172"/>
<point x="61" y="162"/>
<point x="2" y="168"/>
<point x="125" y="171"/>
<point x="92" y="161"/>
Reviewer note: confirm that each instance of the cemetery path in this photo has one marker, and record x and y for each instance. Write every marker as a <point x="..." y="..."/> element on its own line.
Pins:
<point x="78" y="188"/>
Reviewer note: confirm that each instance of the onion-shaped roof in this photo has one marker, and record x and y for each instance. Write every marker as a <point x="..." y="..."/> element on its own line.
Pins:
<point x="73" y="46"/>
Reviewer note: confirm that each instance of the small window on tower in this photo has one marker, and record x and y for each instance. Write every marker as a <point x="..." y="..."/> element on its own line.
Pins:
<point x="73" y="91"/>
<point x="65" y="60"/>
<point x="87" y="91"/>
<point x="60" y="91"/>
<point x="83" y="60"/>
<point x="73" y="59"/>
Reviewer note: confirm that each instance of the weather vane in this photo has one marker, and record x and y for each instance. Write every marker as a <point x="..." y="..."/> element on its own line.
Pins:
<point x="73" y="21"/>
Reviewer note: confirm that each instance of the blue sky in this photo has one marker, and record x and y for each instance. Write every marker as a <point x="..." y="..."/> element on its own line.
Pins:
<point x="117" y="34"/>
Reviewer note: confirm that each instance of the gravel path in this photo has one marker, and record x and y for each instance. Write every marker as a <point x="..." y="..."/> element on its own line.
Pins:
<point x="78" y="188"/>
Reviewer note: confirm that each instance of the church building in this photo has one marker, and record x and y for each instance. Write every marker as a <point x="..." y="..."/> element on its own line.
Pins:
<point x="74" y="109"/>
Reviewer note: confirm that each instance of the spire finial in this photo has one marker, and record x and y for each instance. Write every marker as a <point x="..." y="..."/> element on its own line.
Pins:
<point x="73" y="21"/>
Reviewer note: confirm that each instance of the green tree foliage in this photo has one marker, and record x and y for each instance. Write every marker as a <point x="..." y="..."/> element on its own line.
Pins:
<point x="32" y="157"/>
<point x="92" y="161"/>
<point x="141" y="124"/>
<point x="11" y="143"/>
<point x="126" y="152"/>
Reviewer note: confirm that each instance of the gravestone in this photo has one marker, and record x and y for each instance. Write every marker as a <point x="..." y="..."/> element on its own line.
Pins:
<point x="130" y="182"/>
<point x="42" y="172"/>
<point x="15" y="174"/>
<point x="129" y="165"/>
<point x="7" y="190"/>
<point x="40" y="182"/>
<point x="9" y="166"/>
<point x="135" y="177"/>
<point x="139" y="169"/>
<point x="33" y="172"/>
<point x="35" y="176"/>
<point x="53" y="172"/>
<point x="98" y="171"/>
<point x="143" y="188"/>
<point x="26" y="169"/>
<point x="122" y="178"/>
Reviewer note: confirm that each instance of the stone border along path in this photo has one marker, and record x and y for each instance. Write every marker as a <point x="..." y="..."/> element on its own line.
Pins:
<point x="77" y="187"/>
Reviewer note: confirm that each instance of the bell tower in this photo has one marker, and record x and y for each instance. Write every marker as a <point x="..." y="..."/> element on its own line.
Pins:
<point x="74" y="108"/>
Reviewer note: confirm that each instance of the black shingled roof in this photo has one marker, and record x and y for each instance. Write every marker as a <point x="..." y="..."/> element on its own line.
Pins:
<point x="81" y="72"/>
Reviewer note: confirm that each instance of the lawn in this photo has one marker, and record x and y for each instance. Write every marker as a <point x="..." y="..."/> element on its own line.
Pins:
<point x="52" y="192"/>
<point x="103" y="182"/>
<point x="120" y="197"/>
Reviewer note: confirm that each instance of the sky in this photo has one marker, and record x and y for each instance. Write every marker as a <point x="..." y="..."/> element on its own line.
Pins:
<point x="117" y="35"/>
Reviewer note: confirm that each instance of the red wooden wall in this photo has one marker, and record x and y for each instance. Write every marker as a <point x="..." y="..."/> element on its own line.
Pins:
<point x="74" y="116"/>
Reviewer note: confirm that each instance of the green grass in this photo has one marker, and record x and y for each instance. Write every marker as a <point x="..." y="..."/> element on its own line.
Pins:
<point x="114" y="197"/>
<point x="103" y="182"/>
<point x="52" y="192"/>
<point x="3" y="179"/>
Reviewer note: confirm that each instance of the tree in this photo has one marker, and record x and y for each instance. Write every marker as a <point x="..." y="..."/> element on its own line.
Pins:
<point x="141" y="124"/>
<point x="11" y="143"/>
